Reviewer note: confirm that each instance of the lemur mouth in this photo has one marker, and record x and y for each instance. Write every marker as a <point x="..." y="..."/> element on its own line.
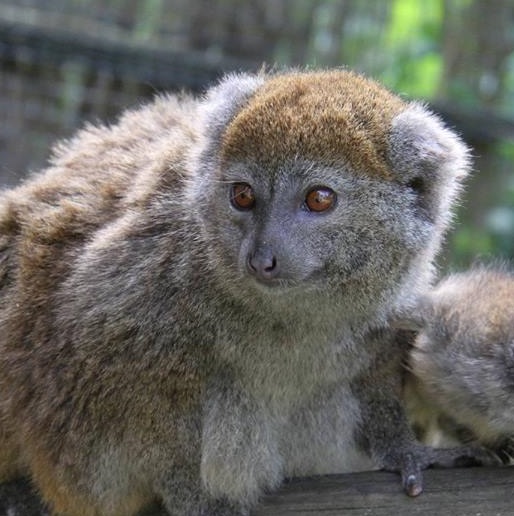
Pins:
<point x="277" y="286"/>
<point x="283" y="286"/>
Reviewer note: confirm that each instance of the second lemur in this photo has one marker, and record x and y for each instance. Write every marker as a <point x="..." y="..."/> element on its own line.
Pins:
<point x="461" y="383"/>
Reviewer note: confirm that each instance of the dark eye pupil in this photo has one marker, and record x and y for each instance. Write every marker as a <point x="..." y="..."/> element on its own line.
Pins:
<point x="320" y="199"/>
<point x="242" y="196"/>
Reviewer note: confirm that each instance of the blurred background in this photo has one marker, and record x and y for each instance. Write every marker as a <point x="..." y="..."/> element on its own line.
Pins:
<point x="65" y="62"/>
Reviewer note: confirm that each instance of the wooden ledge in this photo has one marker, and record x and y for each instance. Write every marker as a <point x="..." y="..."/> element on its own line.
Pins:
<point x="450" y="492"/>
<point x="453" y="492"/>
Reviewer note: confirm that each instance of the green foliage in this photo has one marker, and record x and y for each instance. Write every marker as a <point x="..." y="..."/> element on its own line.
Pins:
<point x="467" y="244"/>
<point x="413" y="38"/>
<point x="507" y="104"/>
<point x="150" y="13"/>
<point x="500" y="217"/>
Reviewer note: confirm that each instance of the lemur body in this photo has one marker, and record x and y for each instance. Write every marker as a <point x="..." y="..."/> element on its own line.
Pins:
<point x="462" y="363"/>
<point x="195" y="300"/>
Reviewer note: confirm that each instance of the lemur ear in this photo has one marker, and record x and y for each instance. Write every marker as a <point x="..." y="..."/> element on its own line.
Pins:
<point x="421" y="144"/>
<point x="427" y="157"/>
<point x="223" y="101"/>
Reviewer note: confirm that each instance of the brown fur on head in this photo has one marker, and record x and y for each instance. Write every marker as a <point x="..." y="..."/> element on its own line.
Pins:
<point x="332" y="116"/>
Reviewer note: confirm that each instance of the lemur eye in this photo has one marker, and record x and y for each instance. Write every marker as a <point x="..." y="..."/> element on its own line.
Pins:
<point x="320" y="199"/>
<point x="242" y="196"/>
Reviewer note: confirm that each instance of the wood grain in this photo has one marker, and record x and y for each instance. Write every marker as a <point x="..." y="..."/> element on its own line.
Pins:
<point x="453" y="492"/>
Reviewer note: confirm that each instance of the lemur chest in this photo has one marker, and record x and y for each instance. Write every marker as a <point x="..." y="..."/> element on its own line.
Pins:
<point x="287" y="369"/>
<point x="288" y="402"/>
<point x="308" y="385"/>
<point x="319" y="437"/>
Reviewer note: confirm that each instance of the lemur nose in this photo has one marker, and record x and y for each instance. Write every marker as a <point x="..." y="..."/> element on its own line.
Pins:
<point x="262" y="263"/>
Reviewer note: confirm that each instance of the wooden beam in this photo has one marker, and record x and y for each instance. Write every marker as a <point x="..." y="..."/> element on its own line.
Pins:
<point x="448" y="492"/>
<point x="452" y="492"/>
